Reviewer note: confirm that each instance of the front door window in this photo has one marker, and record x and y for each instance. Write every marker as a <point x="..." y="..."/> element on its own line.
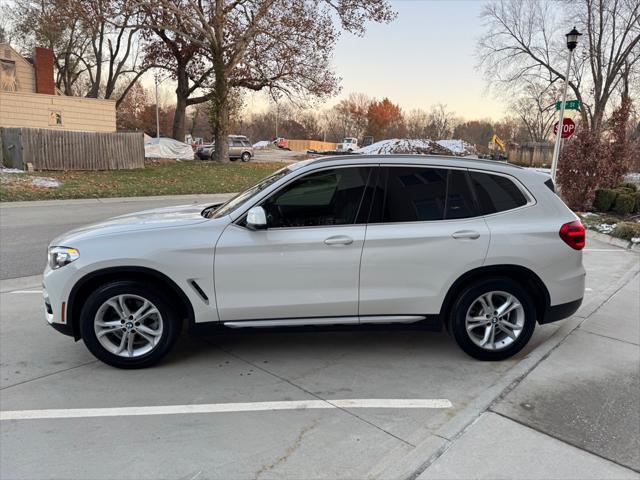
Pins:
<point x="329" y="197"/>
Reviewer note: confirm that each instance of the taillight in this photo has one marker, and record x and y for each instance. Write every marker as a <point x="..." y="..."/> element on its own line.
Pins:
<point x="573" y="234"/>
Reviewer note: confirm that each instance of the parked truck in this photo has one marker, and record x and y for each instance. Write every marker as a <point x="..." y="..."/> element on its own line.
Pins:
<point x="348" y="144"/>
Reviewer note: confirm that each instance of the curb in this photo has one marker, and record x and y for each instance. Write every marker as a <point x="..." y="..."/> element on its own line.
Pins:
<point x="618" y="242"/>
<point x="20" y="283"/>
<point x="190" y="198"/>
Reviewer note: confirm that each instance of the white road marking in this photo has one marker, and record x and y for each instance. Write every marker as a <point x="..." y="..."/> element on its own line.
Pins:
<point x="26" y="291"/>
<point x="224" y="408"/>
<point x="603" y="250"/>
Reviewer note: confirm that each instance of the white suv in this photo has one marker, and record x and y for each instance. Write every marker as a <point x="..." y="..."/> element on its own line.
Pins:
<point x="484" y="249"/>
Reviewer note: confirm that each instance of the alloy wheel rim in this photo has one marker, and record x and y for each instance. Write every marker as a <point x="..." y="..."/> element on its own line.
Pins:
<point x="495" y="320"/>
<point x="128" y="325"/>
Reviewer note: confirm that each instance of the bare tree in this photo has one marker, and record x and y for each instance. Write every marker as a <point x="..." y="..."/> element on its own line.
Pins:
<point x="439" y="122"/>
<point x="181" y="57"/>
<point x="95" y="43"/>
<point x="280" y="45"/>
<point x="353" y="110"/>
<point x="417" y="122"/>
<point x="112" y="27"/>
<point x="535" y="108"/>
<point x="524" y="40"/>
<point x="46" y="23"/>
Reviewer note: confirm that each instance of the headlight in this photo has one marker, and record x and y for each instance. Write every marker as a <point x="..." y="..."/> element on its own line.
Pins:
<point x="61" y="256"/>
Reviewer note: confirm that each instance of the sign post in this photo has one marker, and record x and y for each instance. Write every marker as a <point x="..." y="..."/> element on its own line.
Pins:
<point x="556" y="148"/>
<point x="572" y="42"/>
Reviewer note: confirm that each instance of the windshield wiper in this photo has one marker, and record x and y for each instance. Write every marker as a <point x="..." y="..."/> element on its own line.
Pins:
<point x="207" y="212"/>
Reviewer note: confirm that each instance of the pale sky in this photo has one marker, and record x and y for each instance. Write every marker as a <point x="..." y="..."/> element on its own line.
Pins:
<point x="426" y="56"/>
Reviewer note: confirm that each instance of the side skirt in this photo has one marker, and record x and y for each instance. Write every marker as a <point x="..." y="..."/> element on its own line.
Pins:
<point x="370" y="322"/>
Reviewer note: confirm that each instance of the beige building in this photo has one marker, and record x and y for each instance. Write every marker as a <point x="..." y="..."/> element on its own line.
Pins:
<point x="29" y="98"/>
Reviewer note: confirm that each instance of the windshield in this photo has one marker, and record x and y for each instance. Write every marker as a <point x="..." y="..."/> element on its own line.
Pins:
<point x="230" y="205"/>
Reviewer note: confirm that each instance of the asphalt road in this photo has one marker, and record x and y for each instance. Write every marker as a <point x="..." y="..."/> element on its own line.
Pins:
<point x="26" y="228"/>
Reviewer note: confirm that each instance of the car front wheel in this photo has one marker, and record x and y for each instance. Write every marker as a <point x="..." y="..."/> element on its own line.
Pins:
<point x="246" y="156"/>
<point x="493" y="319"/>
<point x="128" y="324"/>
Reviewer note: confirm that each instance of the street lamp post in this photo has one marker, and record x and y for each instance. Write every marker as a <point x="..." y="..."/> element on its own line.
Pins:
<point x="572" y="42"/>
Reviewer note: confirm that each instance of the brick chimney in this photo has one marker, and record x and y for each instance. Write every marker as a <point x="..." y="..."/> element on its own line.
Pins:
<point x="43" y="67"/>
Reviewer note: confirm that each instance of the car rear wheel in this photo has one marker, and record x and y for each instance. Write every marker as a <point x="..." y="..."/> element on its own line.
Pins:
<point x="246" y="156"/>
<point x="493" y="319"/>
<point x="128" y="324"/>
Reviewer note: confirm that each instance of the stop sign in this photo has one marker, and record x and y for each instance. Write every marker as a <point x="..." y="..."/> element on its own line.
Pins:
<point x="568" y="128"/>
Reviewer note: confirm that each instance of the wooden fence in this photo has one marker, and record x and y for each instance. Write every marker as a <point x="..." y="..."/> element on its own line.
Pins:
<point x="71" y="150"/>
<point x="304" y="145"/>
<point x="532" y="154"/>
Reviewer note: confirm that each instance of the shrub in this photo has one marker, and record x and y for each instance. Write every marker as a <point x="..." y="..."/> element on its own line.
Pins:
<point x="609" y="220"/>
<point x="604" y="199"/>
<point x="627" y="230"/>
<point x="630" y="185"/>
<point x="582" y="168"/>
<point x="624" y="190"/>
<point x="637" y="209"/>
<point x="625" y="204"/>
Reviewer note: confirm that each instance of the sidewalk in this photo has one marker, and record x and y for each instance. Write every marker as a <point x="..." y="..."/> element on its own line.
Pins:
<point x="574" y="416"/>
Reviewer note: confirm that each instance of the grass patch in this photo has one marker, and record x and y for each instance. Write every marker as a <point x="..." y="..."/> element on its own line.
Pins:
<point x="175" y="178"/>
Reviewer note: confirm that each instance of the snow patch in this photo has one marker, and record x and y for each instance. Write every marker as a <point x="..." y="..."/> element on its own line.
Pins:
<point x="10" y="170"/>
<point x="459" y="147"/>
<point x="606" y="227"/>
<point x="261" y="144"/>
<point x="405" y="146"/>
<point x="44" y="182"/>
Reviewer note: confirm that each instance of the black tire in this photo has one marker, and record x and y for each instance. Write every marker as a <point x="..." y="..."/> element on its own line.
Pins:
<point x="246" y="156"/>
<point x="171" y="323"/>
<point x="457" y="320"/>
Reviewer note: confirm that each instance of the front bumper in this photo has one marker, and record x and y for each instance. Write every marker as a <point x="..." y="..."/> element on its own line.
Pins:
<point x="55" y="294"/>
<point x="64" y="328"/>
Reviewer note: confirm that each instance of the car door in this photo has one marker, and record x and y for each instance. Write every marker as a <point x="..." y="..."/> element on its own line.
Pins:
<point x="306" y="263"/>
<point x="233" y="148"/>
<point x="423" y="233"/>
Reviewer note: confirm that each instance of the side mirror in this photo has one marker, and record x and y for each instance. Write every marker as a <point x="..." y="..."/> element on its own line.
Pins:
<point x="256" y="218"/>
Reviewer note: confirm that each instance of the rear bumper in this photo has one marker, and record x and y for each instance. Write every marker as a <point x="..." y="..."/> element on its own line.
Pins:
<point x="559" y="312"/>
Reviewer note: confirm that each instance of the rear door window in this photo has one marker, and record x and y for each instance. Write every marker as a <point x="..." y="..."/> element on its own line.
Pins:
<point x="414" y="194"/>
<point x="460" y="202"/>
<point x="496" y="193"/>
<point x="422" y="194"/>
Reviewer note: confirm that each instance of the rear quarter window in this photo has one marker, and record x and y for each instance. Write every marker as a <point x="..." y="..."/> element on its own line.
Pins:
<point x="496" y="193"/>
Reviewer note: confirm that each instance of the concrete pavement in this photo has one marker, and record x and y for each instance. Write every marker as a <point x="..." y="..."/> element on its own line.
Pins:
<point x="575" y="415"/>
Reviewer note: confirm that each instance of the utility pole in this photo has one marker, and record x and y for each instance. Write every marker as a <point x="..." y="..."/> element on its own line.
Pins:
<point x="157" y="111"/>
<point x="572" y="42"/>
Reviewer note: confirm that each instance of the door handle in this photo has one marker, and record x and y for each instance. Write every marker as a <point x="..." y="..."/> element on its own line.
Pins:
<point x="339" y="240"/>
<point x="470" y="234"/>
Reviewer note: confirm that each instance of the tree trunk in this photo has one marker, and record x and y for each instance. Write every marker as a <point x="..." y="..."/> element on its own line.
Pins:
<point x="182" y="95"/>
<point x="179" y="131"/>
<point x="220" y="117"/>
